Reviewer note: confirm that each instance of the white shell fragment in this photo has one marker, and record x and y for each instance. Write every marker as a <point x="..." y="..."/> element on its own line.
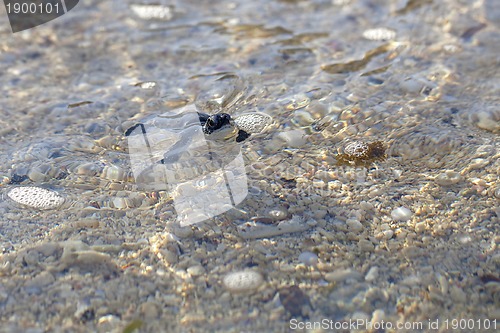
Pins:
<point x="253" y="122"/>
<point x="152" y="12"/>
<point x="242" y="281"/>
<point x="401" y="214"/>
<point x="379" y="34"/>
<point x="36" y="197"/>
<point x="253" y="230"/>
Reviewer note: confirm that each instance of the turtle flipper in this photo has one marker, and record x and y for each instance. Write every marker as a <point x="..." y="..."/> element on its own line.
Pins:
<point x="242" y="136"/>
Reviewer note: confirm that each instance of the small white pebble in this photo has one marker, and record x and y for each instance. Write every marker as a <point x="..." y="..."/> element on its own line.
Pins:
<point x="379" y="34"/>
<point x="152" y="12"/>
<point x="196" y="270"/>
<point x="242" y="281"/>
<point x="36" y="197"/>
<point x="308" y="258"/>
<point x="387" y="234"/>
<point x="401" y="214"/>
<point x="378" y="317"/>
<point x="341" y="275"/>
<point x="420" y="227"/>
<point x="293" y="138"/>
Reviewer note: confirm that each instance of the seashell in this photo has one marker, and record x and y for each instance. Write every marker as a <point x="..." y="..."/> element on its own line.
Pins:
<point x="153" y="12"/>
<point x="36" y="197"/>
<point x="361" y="153"/>
<point x="254" y="122"/>
<point x="242" y="281"/>
<point x="379" y="34"/>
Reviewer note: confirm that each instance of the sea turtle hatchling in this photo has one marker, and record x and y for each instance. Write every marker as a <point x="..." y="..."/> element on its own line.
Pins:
<point x="185" y="143"/>
<point x="195" y="156"/>
<point x="187" y="139"/>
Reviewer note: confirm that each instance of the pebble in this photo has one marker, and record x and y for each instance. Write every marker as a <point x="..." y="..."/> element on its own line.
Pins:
<point x="401" y="214"/>
<point x="386" y="234"/>
<point x="341" y="275"/>
<point x="413" y="85"/>
<point x="497" y="192"/>
<point x="36" y="283"/>
<point x="149" y="310"/>
<point x="447" y="178"/>
<point x="78" y="254"/>
<point x="119" y="203"/>
<point x="196" y="270"/>
<point x="457" y="294"/>
<point x="251" y="230"/>
<point x="478" y="163"/>
<point x="302" y="118"/>
<point x="114" y="173"/>
<point x="36" y="197"/>
<point x="152" y="12"/>
<point x="108" y="323"/>
<point x="492" y="11"/>
<point x="486" y="118"/>
<point x="242" y="281"/>
<point x="365" y="245"/>
<point x="372" y="274"/>
<point x="293" y="138"/>
<point x="378" y="316"/>
<point x="420" y="227"/>
<point x="278" y="214"/>
<point x="379" y="34"/>
<point x="354" y="225"/>
<point x="37" y="176"/>
<point x="308" y="258"/>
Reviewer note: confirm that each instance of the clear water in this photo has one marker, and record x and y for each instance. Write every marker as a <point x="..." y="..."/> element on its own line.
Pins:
<point x="427" y="87"/>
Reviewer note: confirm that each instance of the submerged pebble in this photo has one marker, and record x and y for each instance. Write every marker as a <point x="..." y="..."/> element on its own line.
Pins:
<point x="308" y="258"/>
<point x="242" y="281"/>
<point x="379" y="34"/>
<point x="293" y="138"/>
<point x="401" y="214"/>
<point x="253" y="230"/>
<point x="447" y="178"/>
<point x="152" y="12"/>
<point x="36" y="197"/>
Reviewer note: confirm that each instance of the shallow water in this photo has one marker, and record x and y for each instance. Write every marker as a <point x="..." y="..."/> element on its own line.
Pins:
<point x="425" y="84"/>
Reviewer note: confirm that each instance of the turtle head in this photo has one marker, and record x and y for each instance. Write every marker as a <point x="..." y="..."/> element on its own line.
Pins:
<point x="216" y="122"/>
<point x="219" y="126"/>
